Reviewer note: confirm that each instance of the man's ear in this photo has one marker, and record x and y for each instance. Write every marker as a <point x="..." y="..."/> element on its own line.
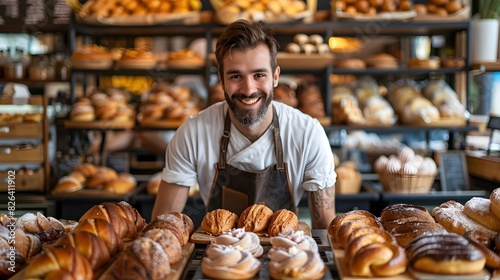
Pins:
<point x="276" y="76"/>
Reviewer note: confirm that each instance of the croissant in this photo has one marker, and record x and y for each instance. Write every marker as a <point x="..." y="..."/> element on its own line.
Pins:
<point x="375" y="254"/>
<point x="125" y="219"/>
<point x="59" y="260"/>
<point x="104" y="231"/>
<point x="47" y="229"/>
<point x="145" y="259"/>
<point x="28" y="245"/>
<point x="88" y="245"/>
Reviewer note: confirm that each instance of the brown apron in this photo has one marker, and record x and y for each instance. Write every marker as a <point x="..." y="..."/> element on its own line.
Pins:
<point x="235" y="189"/>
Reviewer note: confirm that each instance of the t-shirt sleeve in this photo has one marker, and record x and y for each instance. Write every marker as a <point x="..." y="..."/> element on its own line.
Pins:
<point x="320" y="169"/>
<point x="179" y="157"/>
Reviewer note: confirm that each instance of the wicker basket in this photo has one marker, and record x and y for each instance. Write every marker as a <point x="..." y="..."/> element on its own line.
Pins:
<point x="403" y="183"/>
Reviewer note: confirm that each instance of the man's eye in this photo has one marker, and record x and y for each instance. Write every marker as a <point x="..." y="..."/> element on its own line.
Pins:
<point x="260" y="75"/>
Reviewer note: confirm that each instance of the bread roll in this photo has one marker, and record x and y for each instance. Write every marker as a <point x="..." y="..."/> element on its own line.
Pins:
<point x="218" y="221"/>
<point x="396" y="214"/>
<point x="452" y="217"/>
<point x="283" y="221"/>
<point x="444" y="253"/>
<point x="67" y="184"/>
<point x="47" y="229"/>
<point x="342" y="225"/>
<point x="478" y="209"/>
<point x="495" y="202"/>
<point x="408" y="231"/>
<point x="125" y="183"/>
<point x="255" y="218"/>
<point x="102" y="176"/>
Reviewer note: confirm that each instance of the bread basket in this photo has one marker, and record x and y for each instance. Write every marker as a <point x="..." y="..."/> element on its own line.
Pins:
<point x="406" y="183"/>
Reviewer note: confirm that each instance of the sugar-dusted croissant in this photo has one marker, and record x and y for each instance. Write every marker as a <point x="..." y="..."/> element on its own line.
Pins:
<point x="104" y="231"/>
<point x="124" y="218"/>
<point x="145" y="259"/>
<point x="88" y="245"/>
<point x="57" y="261"/>
<point x="48" y="229"/>
<point x="28" y="245"/>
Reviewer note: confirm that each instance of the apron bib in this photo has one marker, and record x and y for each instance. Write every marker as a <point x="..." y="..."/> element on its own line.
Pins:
<point x="234" y="189"/>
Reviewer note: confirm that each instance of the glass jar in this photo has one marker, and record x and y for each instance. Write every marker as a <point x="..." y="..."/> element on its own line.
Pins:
<point x="41" y="70"/>
<point x="14" y="70"/>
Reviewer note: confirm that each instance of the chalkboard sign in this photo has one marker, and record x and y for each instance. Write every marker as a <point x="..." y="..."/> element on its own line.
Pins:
<point x="494" y="122"/>
<point x="453" y="171"/>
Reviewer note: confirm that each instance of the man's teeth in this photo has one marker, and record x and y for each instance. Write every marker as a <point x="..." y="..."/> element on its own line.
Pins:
<point x="249" y="101"/>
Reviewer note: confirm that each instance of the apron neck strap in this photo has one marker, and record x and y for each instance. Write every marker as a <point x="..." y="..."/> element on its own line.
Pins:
<point x="278" y="146"/>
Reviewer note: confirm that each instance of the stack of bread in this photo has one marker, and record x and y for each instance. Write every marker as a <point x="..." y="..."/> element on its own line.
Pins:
<point x="410" y="105"/>
<point x="256" y="218"/>
<point x="445" y="99"/>
<point x="107" y="105"/>
<point x="376" y="110"/>
<point x="295" y="256"/>
<point x="90" y="176"/>
<point x="137" y="58"/>
<point x="382" y="61"/>
<point x="258" y="10"/>
<point x="89" y="244"/>
<point x="370" y="7"/>
<point x="126" y="8"/>
<point x="345" y="106"/>
<point x="307" y="44"/>
<point x="406" y="172"/>
<point x="157" y="247"/>
<point x="310" y="100"/>
<point x="441" y="8"/>
<point x="8" y="118"/>
<point x="286" y="94"/>
<point x="348" y="178"/>
<point x="168" y="102"/>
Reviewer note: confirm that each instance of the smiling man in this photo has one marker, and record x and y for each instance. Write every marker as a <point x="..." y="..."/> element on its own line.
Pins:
<point x="249" y="149"/>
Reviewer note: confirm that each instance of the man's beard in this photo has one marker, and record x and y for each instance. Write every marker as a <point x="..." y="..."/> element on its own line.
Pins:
<point x="249" y="117"/>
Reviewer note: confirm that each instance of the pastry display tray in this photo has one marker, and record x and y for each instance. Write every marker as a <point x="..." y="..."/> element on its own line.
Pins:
<point x="201" y="237"/>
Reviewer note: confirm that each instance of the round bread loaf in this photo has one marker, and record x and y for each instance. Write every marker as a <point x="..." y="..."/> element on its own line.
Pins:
<point x="282" y="221"/>
<point x="218" y="221"/>
<point x="396" y="214"/>
<point x="255" y="218"/>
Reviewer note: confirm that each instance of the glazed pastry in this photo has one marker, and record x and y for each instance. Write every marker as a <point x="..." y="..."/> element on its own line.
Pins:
<point x="255" y="218"/>
<point x="282" y="221"/>
<point x="444" y="253"/>
<point x="226" y="262"/>
<point x="396" y="214"/>
<point x="484" y="243"/>
<point x="406" y="232"/>
<point x="218" y="221"/>
<point x="242" y="240"/>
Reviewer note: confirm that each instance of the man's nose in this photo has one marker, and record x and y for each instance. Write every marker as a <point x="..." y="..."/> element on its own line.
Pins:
<point x="249" y="86"/>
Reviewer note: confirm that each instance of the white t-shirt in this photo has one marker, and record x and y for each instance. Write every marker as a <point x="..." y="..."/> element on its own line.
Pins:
<point x="193" y="152"/>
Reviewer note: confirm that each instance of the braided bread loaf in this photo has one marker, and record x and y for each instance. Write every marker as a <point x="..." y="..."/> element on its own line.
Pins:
<point x="103" y="230"/>
<point x="124" y="218"/>
<point x="55" y="262"/>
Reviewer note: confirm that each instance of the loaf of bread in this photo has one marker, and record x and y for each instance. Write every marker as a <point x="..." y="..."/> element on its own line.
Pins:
<point x="255" y="218"/>
<point x="444" y="253"/>
<point x="173" y="223"/>
<point x="56" y="262"/>
<point x="406" y="232"/>
<point x="105" y="231"/>
<point x="342" y="225"/>
<point x="227" y="262"/>
<point x="283" y="221"/>
<point x="242" y="240"/>
<point x="218" y="221"/>
<point x="67" y="184"/>
<point x="495" y="202"/>
<point x="396" y="214"/>
<point x="124" y="218"/>
<point x="478" y="209"/>
<point x="144" y="259"/>
<point x="168" y="242"/>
